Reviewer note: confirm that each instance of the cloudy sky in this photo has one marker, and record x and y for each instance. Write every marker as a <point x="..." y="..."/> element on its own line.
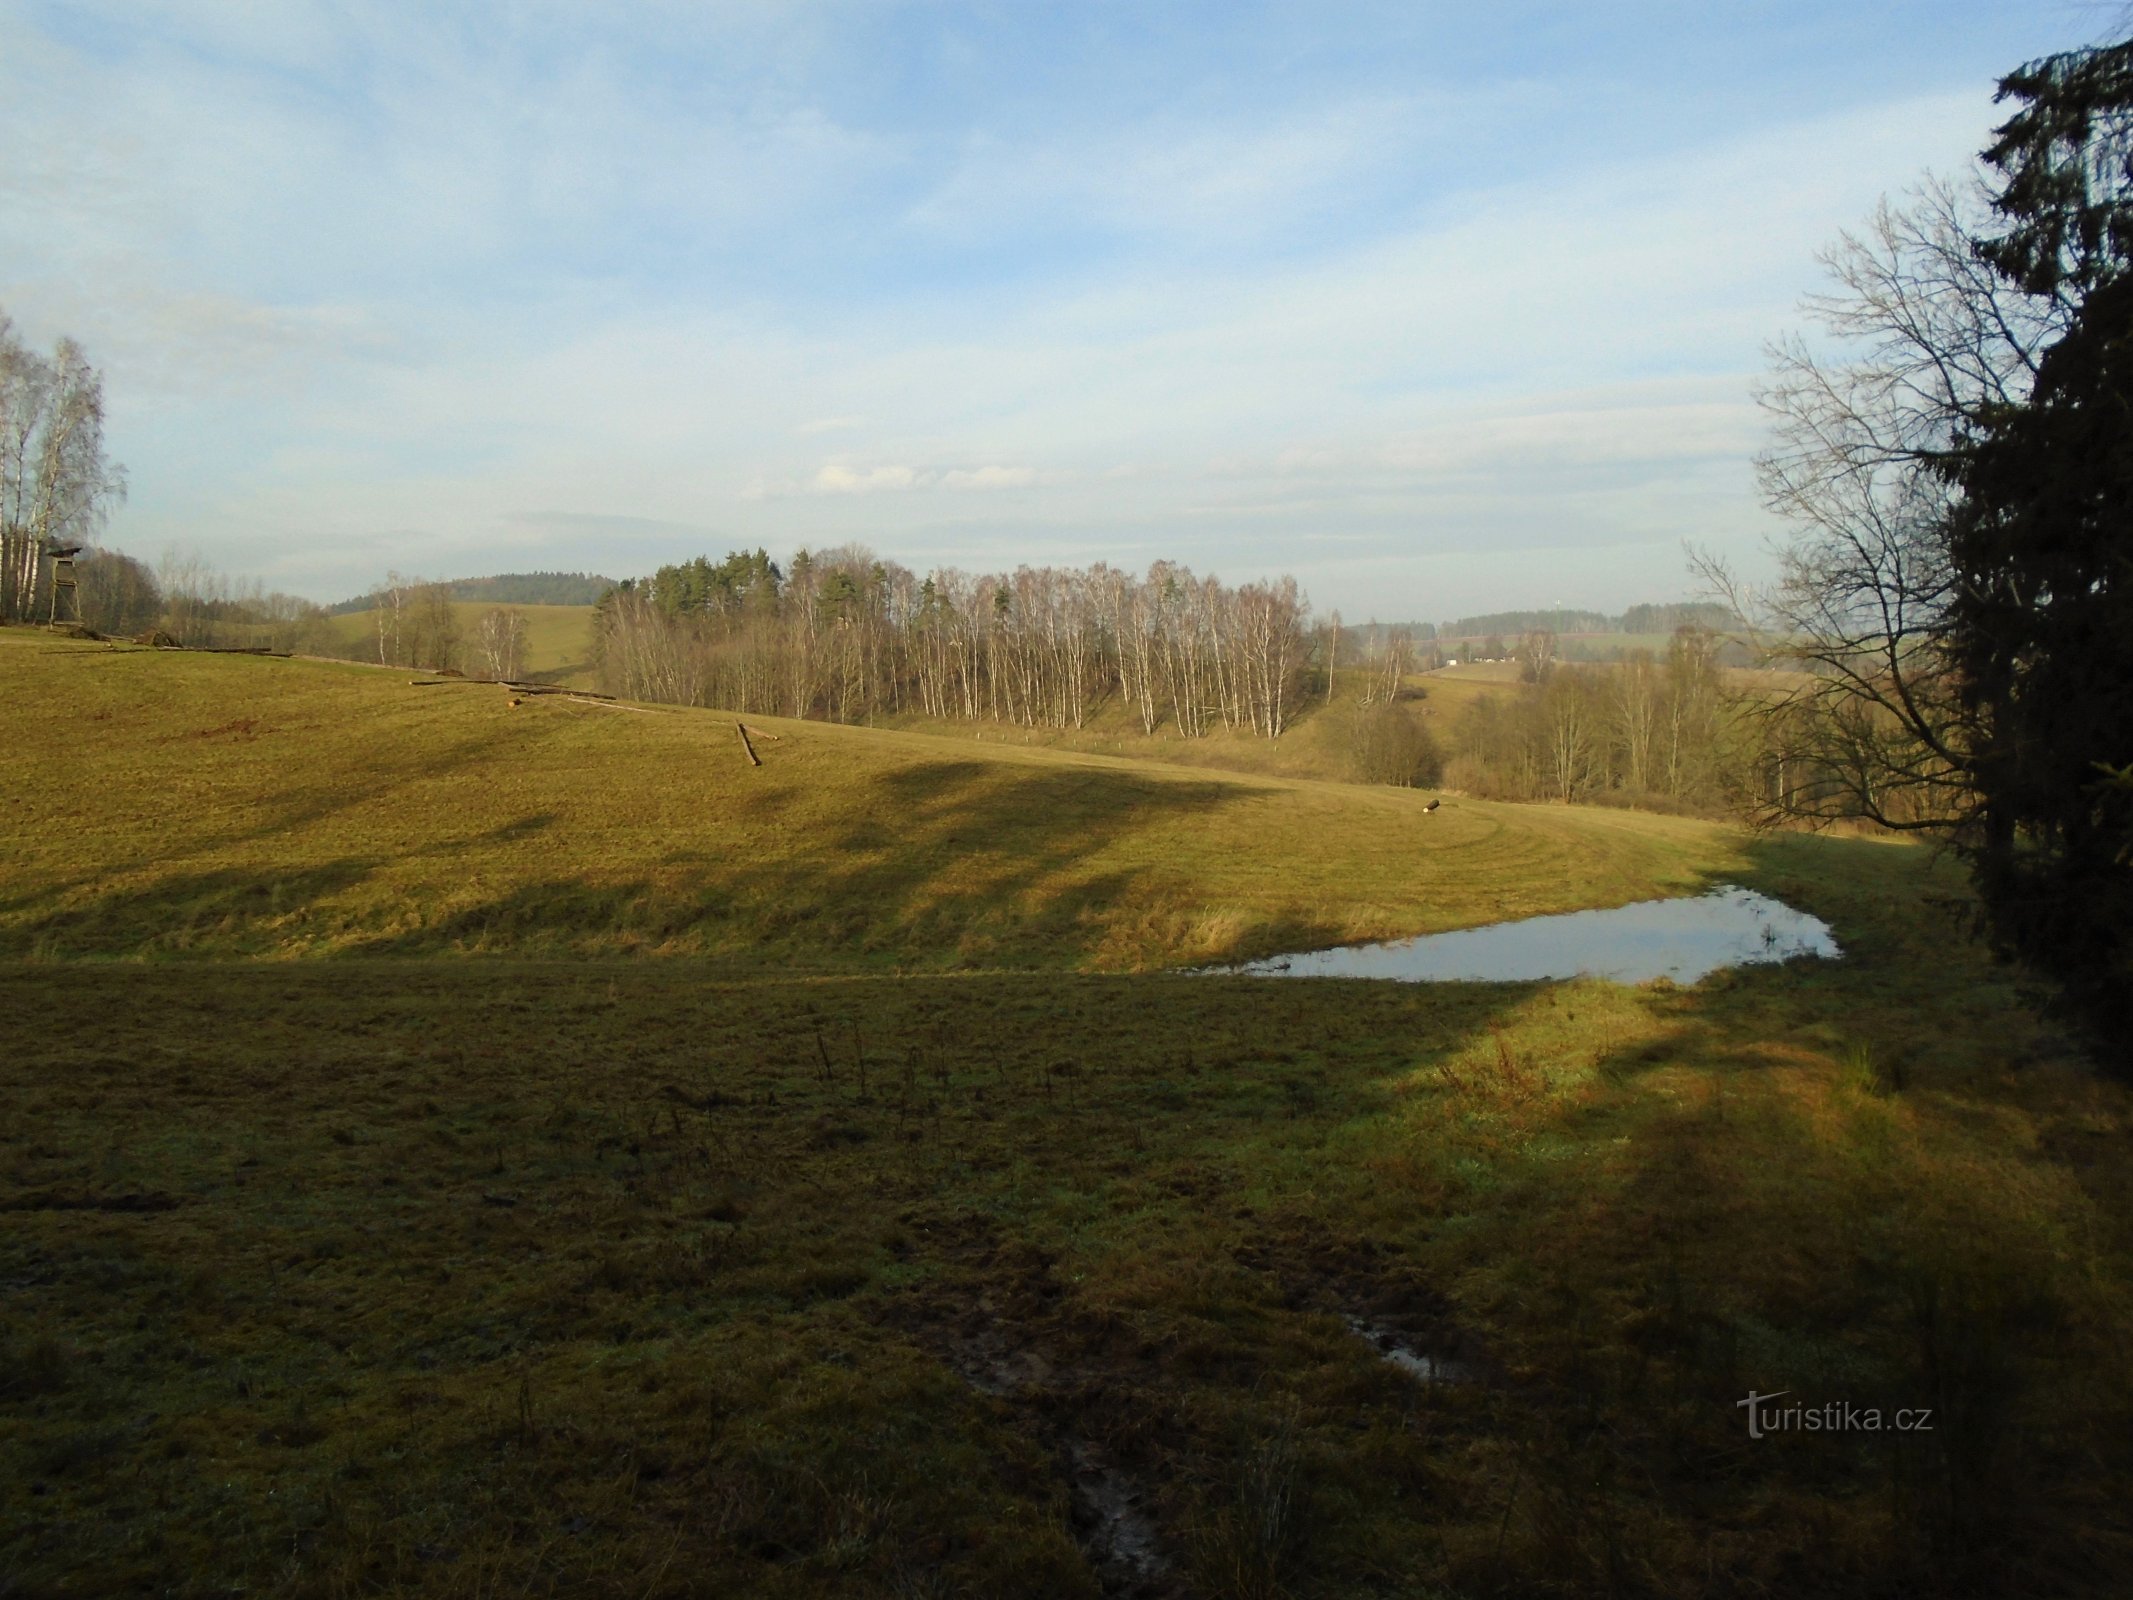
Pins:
<point x="1440" y="307"/>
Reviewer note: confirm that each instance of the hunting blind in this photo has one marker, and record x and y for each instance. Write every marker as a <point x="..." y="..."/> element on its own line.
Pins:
<point x="66" y="602"/>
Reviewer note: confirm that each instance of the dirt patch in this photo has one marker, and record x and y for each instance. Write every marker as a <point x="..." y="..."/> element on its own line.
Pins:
<point x="1379" y="1298"/>
<point x="997" y="1319"/>
<point x="242" y="729"/>
<point x="1114" y="1524"/>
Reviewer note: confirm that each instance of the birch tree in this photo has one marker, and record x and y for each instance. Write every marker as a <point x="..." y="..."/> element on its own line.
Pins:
<point x="56" y="485"/>
<point x="501" y="635"/>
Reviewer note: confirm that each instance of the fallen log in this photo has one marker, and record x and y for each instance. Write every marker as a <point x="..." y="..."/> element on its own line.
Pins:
<point x="549" y="688"/>
<point x="754" y="760"/>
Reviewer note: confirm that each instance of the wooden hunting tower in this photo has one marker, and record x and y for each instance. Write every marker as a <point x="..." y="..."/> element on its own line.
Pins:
<point x="66" y="602"/>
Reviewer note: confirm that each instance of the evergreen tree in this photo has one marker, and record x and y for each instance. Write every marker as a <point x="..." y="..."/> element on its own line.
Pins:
<point x="2041" y="543"/>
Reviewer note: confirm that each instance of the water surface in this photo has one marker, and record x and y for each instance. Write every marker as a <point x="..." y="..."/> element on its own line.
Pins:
<point x="1682" y="940"/>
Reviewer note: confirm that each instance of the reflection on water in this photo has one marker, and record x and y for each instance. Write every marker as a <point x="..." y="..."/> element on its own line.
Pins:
<point x="1678" y="939"/>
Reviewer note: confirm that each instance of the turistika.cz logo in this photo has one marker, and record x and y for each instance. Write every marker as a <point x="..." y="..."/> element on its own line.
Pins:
<point x="1765" y="1416"/>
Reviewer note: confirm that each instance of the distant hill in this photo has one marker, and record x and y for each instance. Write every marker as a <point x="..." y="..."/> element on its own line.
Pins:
<point x="1508" y="625"/>
<point x="1512" y="623"/>
<point x="1684" y="614"/>
<point x="512" y="589"/>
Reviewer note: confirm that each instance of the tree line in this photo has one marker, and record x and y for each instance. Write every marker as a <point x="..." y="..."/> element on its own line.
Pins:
<point x="184" y="600"/>
<point x="1649" y="730"/>
<point x="845" y="636"/>
<point x="507" y="589"/>
<point x="410" y="622"/>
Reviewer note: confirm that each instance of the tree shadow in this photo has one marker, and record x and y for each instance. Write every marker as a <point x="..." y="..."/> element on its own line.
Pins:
<point x="213" y="912"/>
<point x="945" y="864"/>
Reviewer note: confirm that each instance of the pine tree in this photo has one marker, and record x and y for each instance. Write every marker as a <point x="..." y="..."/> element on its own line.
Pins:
<point x="2041" y="544"/>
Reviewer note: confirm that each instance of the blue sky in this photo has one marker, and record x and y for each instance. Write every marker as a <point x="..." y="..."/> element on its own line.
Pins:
<point x="1438" y="307"/>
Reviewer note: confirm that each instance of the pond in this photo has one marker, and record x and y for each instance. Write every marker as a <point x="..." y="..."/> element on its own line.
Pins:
<point x="1681" y="940"/>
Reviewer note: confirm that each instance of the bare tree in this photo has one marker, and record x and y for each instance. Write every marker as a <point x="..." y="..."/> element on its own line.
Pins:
<point x="1872" y="722"/>
<point x="1395" y="657"/>
<point x="195" y="598"/>
<point x="388" y="605"/>
<point x="1636" y="688"/>
<point x="118" y="593"/>
<point x="502" y="636"/>
<point x="1536" y="655"/>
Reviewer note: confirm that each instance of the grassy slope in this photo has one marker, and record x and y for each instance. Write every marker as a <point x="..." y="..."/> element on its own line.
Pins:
<point x="558" y="638"/>
<point x="215" y="805"/>
<point x="659" y="1277"/>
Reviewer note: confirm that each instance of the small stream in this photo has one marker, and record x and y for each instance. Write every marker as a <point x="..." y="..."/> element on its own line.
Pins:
<point x="1682" y="940"/>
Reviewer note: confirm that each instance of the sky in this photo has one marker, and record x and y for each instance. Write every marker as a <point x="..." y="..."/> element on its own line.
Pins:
<point x="1439" y="308"/>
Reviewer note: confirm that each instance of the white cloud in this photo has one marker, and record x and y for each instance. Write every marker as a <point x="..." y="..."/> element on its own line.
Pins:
<point x="843" y="478"/>
<point x="982" y="478"/>
<point x="894" y="478"/>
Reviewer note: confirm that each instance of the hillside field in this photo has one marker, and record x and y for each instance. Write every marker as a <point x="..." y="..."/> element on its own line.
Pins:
<point x="558" y="639"/>
<point x="218" y="806"/>
<point x="451" y="1147"/>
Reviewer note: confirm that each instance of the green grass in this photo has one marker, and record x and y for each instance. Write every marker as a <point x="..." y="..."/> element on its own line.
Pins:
<point x="826" y="1267"/>
<point x="558" y="639"/>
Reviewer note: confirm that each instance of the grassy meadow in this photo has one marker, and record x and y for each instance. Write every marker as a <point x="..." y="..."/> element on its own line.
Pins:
<point x="462" y="1148"/>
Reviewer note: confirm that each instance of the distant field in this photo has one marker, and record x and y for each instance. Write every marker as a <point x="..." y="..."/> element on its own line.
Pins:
<point x="1319" y="743"/>
<point x="558" y="639"/>
<point x="1573" y="646"/>
<point x="452" y="1148"/>
<point x="1494" y="673"/>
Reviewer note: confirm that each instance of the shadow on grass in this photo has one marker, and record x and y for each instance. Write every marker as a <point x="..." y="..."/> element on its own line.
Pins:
<point x="293" y="802"/>
<point x="1817" y="1181"/>
<point x="947" y="864"/>
<point x="186" y="912"/>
